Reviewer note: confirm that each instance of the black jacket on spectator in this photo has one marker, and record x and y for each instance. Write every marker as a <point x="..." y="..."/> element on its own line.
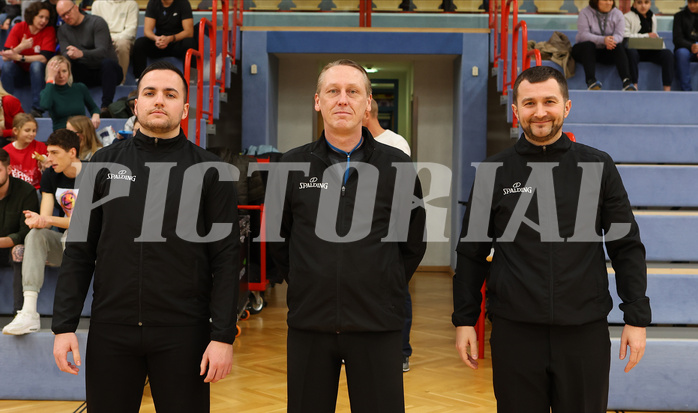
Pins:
<point x="685" y="30"/>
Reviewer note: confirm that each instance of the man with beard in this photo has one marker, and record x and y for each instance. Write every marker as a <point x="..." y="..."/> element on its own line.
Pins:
<point x="547" y="285"/>
<point x="165" y="259"/>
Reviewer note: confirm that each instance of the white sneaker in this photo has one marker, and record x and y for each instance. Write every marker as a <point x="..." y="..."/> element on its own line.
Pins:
<point x="24" y="323"/>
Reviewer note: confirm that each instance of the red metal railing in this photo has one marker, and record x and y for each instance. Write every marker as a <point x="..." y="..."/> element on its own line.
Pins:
<point x="262" y="284"/>
<point x="492" y="24"/>
<point x="365" y="11"/>
<point x="527" y="54"/>
<point x="510" y="71"/>
<point x="200" y="55"/>
<point x="204" y="24"/>
<point x="229" y="45"/>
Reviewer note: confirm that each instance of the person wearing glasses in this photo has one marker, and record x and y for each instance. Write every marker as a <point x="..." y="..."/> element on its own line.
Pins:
<point x="86" y="41"/>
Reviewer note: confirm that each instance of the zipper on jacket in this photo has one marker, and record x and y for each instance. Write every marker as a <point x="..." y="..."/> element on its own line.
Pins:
<point x="140" y="288"/>
<point x="156" y="142"/>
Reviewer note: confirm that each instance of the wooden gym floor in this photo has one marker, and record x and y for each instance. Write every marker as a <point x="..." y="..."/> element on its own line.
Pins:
<point x="438" y="381"/>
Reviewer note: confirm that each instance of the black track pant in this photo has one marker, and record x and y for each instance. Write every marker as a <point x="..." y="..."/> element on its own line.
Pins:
<point x="538" y="367"/>
<point x="373" y="363"/>
<point x="587" y="54"/>
<point x="663" y="58"/>
<point x="120" y="357"/>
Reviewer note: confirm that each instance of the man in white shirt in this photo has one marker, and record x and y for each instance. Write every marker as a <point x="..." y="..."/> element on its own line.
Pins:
<point x="122" y="18"/>
<point x="385" y="136"/>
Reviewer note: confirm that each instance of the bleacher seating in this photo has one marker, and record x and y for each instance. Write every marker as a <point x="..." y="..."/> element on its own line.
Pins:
<point x="649" y="76"/>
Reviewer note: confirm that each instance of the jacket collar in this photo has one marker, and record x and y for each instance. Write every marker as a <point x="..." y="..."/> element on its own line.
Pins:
<point x="524" y="147"/>
<point x="143" y="141"/>
<point x="321" y="148"/>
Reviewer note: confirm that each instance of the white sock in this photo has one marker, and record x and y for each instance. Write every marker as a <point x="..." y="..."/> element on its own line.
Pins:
<point x="30" y="298"/>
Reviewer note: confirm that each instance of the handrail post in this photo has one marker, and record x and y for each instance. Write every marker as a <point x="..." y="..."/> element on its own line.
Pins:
<point x="365" y="13"/>
<point x="492" y="24"/>
<point x="504" y="43"/>
<point x="205" y="23"/>
<point x="514" y="43"/>
<point x="369" y="10"/>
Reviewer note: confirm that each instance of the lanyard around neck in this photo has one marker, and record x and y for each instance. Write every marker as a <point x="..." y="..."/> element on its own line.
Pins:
<point x="348" y="154"/>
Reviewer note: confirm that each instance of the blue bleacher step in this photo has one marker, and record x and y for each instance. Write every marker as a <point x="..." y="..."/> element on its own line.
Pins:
<point x="658" y="143"/>
<point x="662" y="186"/>
<point x="29" y="371"/>
<point x="664" y="380"/>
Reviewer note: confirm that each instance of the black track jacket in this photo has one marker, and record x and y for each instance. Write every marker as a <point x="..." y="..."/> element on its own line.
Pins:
<point x="172" y="281"/>
<point x="555" y="283"/>
<point x="356" y="286"/>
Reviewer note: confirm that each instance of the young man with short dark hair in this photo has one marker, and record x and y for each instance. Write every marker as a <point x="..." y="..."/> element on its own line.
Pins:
<point x="16" y="196"/>
<point x="43" y="245"/>
<point x="164" y="255"/>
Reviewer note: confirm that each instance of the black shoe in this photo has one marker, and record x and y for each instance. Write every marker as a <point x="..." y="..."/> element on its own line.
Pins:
<point x="405" y="364"/>
<point x="629" y="86"/>
<point x="37" y="113"/>
<point x="104" y="113"/>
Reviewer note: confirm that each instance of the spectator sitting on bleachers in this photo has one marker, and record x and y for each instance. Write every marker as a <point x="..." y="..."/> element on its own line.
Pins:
<point x="11" y="11"/>
<point x="63" y="98"/>
<point x="89" y="144"/>
<point x="641" y="22"/>
<point x="42" y="245"/>
<point x="686" y="42"/>
<point x="85" y="40"/>
<point x="122" y="18"/>
<point x="10" y="106"/>
<point x="600" y="28"/>
<point x="55" y="20"/>
<point x="30" y="44"/>
<point x="26" y="152"/>
<point x="173" y="22"/>
<point x="16" y="196"/>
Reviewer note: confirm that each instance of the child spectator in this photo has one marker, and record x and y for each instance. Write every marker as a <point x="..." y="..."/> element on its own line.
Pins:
<point x="26" y="153"/>
<point x="89" y="144"/>
<point x="686" y="42"/>
<point x="600" y="28"/>
<point x="9" y="107"/>
<point x="641" y="22"/>
<point x="30" y="44"/>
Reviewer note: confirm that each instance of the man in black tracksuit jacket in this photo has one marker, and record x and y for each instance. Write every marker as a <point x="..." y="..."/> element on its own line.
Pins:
<point x="545" y="202"/>
<point x="346" y="277"/>
<point x="157" y="279"/>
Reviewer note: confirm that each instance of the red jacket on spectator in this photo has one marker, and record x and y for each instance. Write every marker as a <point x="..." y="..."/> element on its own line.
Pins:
<point x="10" y="107"/>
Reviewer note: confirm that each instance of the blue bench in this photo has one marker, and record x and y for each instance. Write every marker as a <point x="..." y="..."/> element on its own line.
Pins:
<point x="665" y="378"/>
<point x="650" y="74"/>
<point x="30" y="372"/>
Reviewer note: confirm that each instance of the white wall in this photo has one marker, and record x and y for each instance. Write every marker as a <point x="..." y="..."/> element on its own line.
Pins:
<point x="297" y="80"/>
<point x="433" y="88"/>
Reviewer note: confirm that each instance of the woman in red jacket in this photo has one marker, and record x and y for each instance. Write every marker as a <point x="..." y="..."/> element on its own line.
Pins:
<point x="29" y="45"/>
<point x="10" y="106"/>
